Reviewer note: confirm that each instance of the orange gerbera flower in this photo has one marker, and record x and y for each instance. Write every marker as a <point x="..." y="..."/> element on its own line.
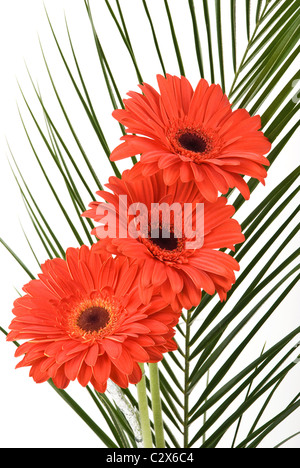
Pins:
<point x="179" y="272"/>
<point x="193" y="135"/>
<point x="84" y="320"/>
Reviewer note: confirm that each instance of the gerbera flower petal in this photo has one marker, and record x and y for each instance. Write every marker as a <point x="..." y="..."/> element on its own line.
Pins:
<point x="112" y="348"/>
<point x="135" y="349"/>
<point x="60" y="380"/>
<point x="92" y="355"/>
<point x="72" y="367"/>
<point x="101" y="369"/>
<point x="85" y="374"/>
<point x="197" y="128"/>
<point x="118" y="377"/>
<point x="136" y="374"/>
<point x="124" y="362"/>
<point x="176" y="281"/>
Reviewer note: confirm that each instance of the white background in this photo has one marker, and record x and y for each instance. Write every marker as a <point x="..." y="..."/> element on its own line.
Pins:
<point x="33" y="415"/>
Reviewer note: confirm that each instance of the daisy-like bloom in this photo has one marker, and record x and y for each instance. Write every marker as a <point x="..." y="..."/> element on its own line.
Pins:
<point x="84" y="320"/>
<point x="193" y="135"/>
<point x="170" y="264"/>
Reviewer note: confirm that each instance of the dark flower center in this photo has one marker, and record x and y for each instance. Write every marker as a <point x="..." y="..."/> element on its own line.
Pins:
<point x="164" y="242"/>
<point x="93" y="319"/>
<point x="192" y="142"/>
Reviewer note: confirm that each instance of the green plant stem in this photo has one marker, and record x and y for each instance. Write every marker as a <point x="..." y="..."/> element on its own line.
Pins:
<point x="156" y="406"/>
<point x="144" y="412"/>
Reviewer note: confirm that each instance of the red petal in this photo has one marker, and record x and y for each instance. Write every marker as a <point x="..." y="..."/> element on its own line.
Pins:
<point x="60" y="380"/>
<point x="72" y="367"/>
<point x="136" y="374"/>
<point x="101" y="369"/>
<point x="118" y="377"/>
<point x="92" y="355"/>
<point x="124" y="362"/>
<point x="85" y="375"/>
<point x="112" y="348"/>
<point x="136" y="351"/>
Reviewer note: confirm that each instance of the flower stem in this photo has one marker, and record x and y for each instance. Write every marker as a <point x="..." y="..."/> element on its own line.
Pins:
<point x="144" y="412"/>
<point x="156" y="406"/>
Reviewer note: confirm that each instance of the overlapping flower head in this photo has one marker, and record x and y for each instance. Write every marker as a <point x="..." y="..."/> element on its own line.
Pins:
<point x="83" y="319"/>
<point x="192" y="136"/>
<point x="180" y="267"/>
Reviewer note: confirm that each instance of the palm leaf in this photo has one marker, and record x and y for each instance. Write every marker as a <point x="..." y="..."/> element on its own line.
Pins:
<point x="194" y="407"/>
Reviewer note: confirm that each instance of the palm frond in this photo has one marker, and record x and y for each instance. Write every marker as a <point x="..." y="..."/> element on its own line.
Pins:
<point x="214" y="337"/>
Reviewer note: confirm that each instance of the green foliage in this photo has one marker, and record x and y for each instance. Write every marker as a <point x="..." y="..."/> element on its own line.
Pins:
<point x="195" y="406"/>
